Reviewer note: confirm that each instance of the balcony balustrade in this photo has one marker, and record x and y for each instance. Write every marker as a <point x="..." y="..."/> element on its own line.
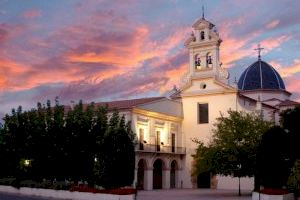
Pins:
<point x="142" y="147"/>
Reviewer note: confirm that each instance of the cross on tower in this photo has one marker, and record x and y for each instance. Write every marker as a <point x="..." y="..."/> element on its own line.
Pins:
<point x="259" y="49"/>
<point x="202" y="9"/>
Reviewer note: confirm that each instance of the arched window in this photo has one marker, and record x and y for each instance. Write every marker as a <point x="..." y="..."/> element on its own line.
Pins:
<point x="202" y="35"/>
<point x="208" y="60"/>
<point x="197" y="61"/>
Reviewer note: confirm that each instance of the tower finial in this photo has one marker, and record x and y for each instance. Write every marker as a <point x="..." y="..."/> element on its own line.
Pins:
<point x="202" y="10"/>
<point x="259" y="49"/>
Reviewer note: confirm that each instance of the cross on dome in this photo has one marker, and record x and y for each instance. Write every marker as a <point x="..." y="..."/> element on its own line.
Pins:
<point x="259" y="49"/>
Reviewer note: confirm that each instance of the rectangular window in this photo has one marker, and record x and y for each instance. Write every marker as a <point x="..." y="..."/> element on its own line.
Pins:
<point x="157" y="140"/>
<point x="203" y="113"/>
<point x="173" y="142"/>
<point x="141" y="139"/>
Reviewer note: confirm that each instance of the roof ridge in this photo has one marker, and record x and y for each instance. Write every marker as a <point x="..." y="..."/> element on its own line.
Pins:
<point x="136" y="99"/>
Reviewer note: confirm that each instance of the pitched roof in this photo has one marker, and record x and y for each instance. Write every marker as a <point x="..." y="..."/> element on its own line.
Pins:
<point x="272" y="99"/>
<point x="255" y="101"/>
<point x="288" y="103"/>
<point x="120" y="104"/>
<point x="127" y="104"/>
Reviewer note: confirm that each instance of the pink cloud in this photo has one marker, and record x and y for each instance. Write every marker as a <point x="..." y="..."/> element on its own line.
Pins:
<point x="287" y="71"/>
<point x="272" y="43"/>
<point x="272" y="24"/>
<point x="235" y="48"/>
<point x="32" y="14"/>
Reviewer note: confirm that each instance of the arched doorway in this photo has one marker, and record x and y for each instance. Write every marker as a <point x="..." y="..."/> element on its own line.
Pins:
<point x="140" y="174"/>
<point x="173" y="177"/>
<point x="157" y="174"/>
<point x="203" y="180"/>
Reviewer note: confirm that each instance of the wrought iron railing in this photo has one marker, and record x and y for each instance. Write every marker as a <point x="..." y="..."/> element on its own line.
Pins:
<point x="141" y="147"/>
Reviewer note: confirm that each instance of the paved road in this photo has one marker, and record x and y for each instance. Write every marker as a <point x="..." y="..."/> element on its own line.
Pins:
<point x="174" y="194"/>
<point x="193" y="194"/>
<point x="4" y="196"/>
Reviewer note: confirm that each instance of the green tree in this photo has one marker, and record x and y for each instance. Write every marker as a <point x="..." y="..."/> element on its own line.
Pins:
<point x="233" y="147"/>
<point x="273" y="158"/>
<point x="290" y="122"/>
<point x="118" y="154"/>
<point x="77" y="144"/>
<point x="99" y="130"/>
<point x="294" y="178"/>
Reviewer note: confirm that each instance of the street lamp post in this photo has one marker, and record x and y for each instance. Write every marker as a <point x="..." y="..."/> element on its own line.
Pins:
<point x="239" y="166"/>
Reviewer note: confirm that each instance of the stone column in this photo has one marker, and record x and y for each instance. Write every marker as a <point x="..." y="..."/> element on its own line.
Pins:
<point x="135" y="177"/>
<point x="178" y="178"/>
<point x="166" y="178"/>
<point x="148" y="179"/>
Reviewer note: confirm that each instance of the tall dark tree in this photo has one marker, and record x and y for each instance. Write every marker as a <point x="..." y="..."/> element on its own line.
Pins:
<point x="99" y="130"/>
<point x="273" y="158"/>
<point x="118" y="154"/>
<point x="290" y="122"/>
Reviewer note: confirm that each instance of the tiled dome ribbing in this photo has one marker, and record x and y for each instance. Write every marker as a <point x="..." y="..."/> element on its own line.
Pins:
<point x="260" y="75"/>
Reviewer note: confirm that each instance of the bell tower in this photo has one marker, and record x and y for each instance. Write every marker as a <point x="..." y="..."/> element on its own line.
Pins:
<point x="203" y="46"/>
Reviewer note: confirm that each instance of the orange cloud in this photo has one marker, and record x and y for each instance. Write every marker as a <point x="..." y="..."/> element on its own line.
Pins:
<point x="174" y="76"/>
<point x="8" y="71"/>
<point x="121" y="55"/>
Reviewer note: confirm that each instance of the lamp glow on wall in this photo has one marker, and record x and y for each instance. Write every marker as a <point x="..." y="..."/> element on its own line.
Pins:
<point x="164" y="136"/>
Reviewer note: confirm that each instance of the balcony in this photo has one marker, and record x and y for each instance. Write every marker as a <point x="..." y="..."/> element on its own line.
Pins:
<point x="152" y="148"/>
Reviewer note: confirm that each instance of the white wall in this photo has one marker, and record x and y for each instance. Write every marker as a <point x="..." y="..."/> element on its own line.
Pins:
<point x="219" y="103"/>
<point x="228" y="182"/>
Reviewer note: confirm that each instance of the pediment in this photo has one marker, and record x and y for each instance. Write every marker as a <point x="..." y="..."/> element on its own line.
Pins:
<point x="202" y="23"/>
<point x="206" y="86"/>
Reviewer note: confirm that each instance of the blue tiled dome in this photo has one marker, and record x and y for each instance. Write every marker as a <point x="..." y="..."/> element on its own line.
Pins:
<point x="260" y="75"/>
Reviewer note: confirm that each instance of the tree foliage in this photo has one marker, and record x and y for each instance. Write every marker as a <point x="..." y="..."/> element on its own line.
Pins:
<point x="273" y="158"/>
<point x="118" y="154"/>
<point x="233" y="147"/>
<point x="74" y="144"/>
<point x="294" y="178"/>
<point x="290" y="122"/>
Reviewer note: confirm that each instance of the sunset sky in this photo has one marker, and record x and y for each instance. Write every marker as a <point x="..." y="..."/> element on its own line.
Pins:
<point x="100" y="50"/>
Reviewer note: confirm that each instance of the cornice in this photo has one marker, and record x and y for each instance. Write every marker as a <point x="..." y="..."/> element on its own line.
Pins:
<point x="156" y="115"/>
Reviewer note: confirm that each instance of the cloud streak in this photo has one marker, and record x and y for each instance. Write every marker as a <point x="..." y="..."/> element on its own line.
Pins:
<point x="106" y="50"/>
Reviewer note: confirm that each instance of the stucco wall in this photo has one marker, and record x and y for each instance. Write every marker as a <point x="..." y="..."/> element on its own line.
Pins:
<point x="219" y="103"/>
<point x="228" y="182"/>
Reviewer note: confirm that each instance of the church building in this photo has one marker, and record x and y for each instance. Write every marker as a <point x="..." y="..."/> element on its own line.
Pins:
<point x="165" y="126"/>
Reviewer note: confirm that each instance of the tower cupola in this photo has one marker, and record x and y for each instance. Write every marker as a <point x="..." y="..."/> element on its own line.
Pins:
<point x="203" y="46"/>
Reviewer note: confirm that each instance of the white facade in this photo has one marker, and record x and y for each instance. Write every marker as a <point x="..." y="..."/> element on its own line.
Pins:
<point x="165" y="127"/>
